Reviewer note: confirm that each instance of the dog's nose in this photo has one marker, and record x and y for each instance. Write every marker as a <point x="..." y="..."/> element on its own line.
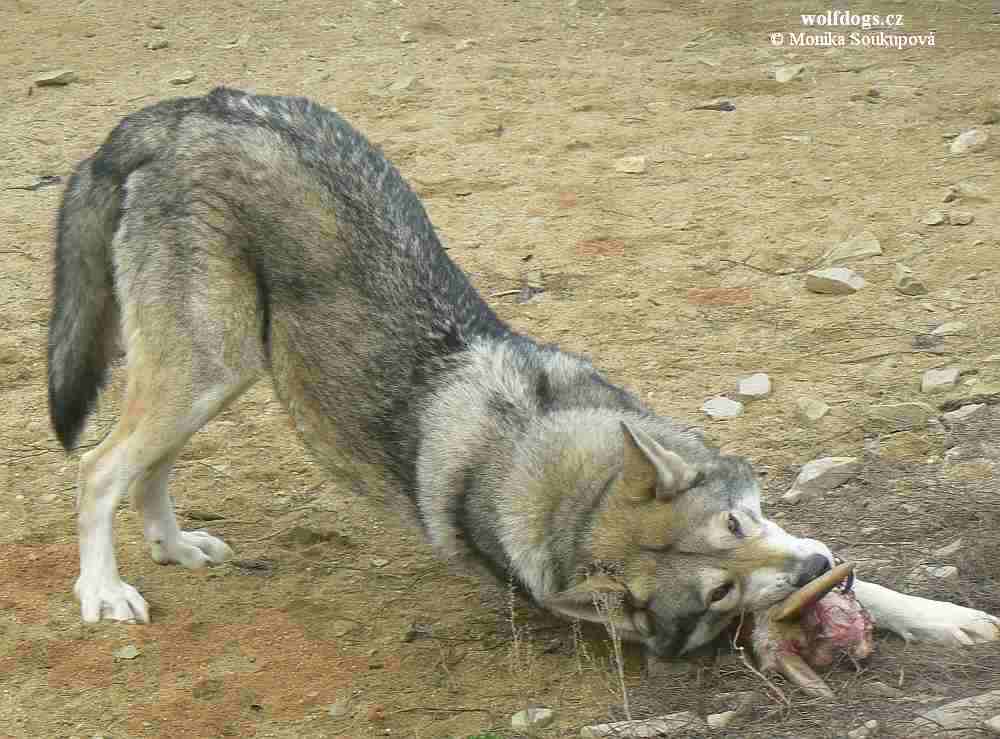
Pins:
<point x="814" y="566"/>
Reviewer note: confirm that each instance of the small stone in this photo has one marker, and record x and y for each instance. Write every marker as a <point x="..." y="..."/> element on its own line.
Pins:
<point x="184" y="77"/>
<point x="950" y="328"/>
<point x="948" y="550"/>
<point x="899" y="417"/>
<point x="662" y="726"/>
<point x="969" y="141"/>
<point x="631" y="165"/>
<point x="755" y="386"/>
<point x="947" y="572"/>
<point x="939" y="380"/>
<point x="993" y="725"/>
<point x="721" y="407"/>
<point x="960" y="218"/>
<point x="532" y="718"/>
<point x="156" y="24"/>
<point x="379" y="562"/>
<point x="341" y="708"/>
<point x="906" y="283"/>
<point x="821" y="475"/>
<point x="934" y="218"/>
<point x="863" y="732"/>
<point x="157" y="44"/>
<point x="834" y="281"/>
<point x="57" y="79"/>
<point x="811" y="411"/>
<point x="127" y="652"/>
<point x="406" y="37"/>
<point x="721" y="720"/>
<point x="789" y="72"/>
<point x="964" y="414"/>
<point x="465" y="44"/>
<point x="863" y="245"/>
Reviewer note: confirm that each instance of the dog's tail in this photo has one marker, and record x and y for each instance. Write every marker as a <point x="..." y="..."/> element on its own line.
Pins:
<point x="83" y="325"/>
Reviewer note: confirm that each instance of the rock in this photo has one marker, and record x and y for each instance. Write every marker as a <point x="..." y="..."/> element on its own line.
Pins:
<point x="379" y="562"/>
<point x="789" y="72"/>
<point x="948" y="550"/>
<point x="721" y="407"/>
<point x="964" y="414"/>
<point x="127" y="652"/>
<point x="417" y="630"/>
<point x="755" y="386"/>
<point x="532" y="718"/>
<point x="406" y="37"/>
<point x="56" y="79"/>
<point x="834" y="281"/>
<point x="156" y="24"/>
<point x="993" y="725"/>
<point x="662" y="726"/>
<point x="863" y="245"/>
<point x="465" y="44"/>
<point x="905" y="446"/>
<point x="906" y="283"/>
<point x="341" y="627"/>
<point x="933" y="218"/>
<point x="822" y="475"/>
<point x="982" y="392"/>
<point x="157" y="44"/>
<point x="960" y="218"/>
<point x="631" y="165"/>
<point x="185" y="77"/>
<point x="946" y="572"/>
<point x="939" y="380"/>
<point x="969" y="141"/>
<point x="721" y="720"/>
<point x="811" y="411"/>
<point x="898" y="417"/>
<point x="950" y="328"/>
<point x="960" y="714"/>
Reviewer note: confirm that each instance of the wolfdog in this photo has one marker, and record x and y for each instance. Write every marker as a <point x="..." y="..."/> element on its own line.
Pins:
<point x="221" y="238"/>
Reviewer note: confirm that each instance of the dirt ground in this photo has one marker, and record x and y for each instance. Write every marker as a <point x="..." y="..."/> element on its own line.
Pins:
<point x="510" y="119"/>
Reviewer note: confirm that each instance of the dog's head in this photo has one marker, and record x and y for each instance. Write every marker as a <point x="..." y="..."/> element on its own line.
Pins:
<point x="680" y="548"/>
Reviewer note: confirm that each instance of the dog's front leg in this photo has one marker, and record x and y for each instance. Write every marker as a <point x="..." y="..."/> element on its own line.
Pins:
<point x="922" y="619"/>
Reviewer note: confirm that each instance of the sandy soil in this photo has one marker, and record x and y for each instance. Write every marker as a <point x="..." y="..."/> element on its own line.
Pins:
<point x="509" y="119"/>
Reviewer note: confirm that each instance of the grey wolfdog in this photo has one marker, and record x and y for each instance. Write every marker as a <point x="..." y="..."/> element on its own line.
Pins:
<point x="224" y="237"/>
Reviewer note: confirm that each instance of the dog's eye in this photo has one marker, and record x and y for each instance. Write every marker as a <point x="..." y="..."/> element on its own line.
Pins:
<point x="734" y="526"/>
<point x="720" y="592"/>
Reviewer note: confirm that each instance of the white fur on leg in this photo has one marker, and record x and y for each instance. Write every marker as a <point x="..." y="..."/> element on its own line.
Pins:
<point x="922" y="619"/>
<point x="99" y="588"/>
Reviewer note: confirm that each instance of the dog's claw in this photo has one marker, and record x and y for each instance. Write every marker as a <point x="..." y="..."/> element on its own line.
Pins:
<point x="192" y="549"/>
<point x="115" y="601"/>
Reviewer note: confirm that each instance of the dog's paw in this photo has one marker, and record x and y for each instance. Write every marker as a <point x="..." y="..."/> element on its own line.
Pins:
<point x="111" y="599"/>
<point x="947" y="623"/>
<point x="192" y="549"/>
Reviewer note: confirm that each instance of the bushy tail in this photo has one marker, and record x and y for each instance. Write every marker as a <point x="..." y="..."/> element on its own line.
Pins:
<point x="83" y="326"/>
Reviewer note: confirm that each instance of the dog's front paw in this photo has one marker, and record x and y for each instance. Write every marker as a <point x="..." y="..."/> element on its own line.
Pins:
<point x="112" y="599"/>
<point x="947" y="623"/>
<point x="191" y="549"/>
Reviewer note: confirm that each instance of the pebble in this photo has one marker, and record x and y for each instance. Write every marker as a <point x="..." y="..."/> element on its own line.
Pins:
<point x="379" y="562"/>
<point x="906" y="283"/>
<point x="127" y="652"/>
<point x="934" y="218"/>
<point x="965" y="413"/>
<point x="532" y="718"/>
<point x="945" y="572"/>
<point x="863" y="245"/>
<point x="969" y="141"/>
<point x="789" y="72"/>
<point x="721" y="407"/>
<point x="834" y="281"/>
<point x="185" y="77"/>
<point x="56" y="79"/>
<point x="662" y="726"/>
<point x="721" y="720"/>
<point x="960" y="218"/>
<point x="866" y="731"/>
<point x="406" y="37"/>
<point x="811" y="410"/>
<point x="156" y="24"/>
<point x="755" y="386"/>
<point x="157" y="44"/>
<point x="950" y="328"/>
<point x="939" y="380"/>
<point x="899" y="417"/>
<point x="822" y="475"/>
<point x="948" y="550"/>
<point x="631" y="165"/>
<point x="465" y="44"/>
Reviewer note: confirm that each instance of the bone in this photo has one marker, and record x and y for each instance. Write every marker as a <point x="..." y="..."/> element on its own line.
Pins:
<point x="798" y="671"/>
<point x="812" y="592"/>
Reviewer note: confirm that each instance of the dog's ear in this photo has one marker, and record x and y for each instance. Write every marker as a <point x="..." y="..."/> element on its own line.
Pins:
<point x="649" y="470"/>
<point x="598" y="599"/>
